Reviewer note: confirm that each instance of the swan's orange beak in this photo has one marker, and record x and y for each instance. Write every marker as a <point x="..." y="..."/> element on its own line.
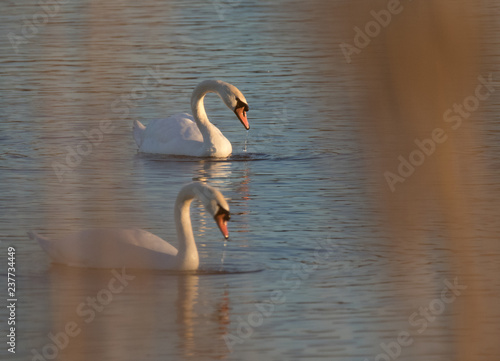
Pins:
<point x="241" y="113"/>
<point x="221" y="220"/>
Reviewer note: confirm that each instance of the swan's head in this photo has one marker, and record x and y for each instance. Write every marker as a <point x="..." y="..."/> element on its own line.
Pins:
<point x="234" y="100"/>
<point x="215" y="203"/>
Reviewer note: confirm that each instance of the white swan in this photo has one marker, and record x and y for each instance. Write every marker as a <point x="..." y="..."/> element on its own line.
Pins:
<point x="136" y="248"/>
<point x="193" y="135"/>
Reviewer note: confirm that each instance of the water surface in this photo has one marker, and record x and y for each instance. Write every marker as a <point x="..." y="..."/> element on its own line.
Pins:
<point x="309" y="272"/>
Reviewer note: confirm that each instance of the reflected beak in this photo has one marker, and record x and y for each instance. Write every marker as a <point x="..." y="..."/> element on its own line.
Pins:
<point x="220" y="219"/>
<point x="242" y="116"/>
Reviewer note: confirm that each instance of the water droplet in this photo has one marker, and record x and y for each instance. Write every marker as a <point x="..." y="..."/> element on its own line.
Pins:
<point x="246" y="142"/>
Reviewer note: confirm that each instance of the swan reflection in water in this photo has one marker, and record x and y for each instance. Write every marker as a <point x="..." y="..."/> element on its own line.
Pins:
<point x="125" y="324"/>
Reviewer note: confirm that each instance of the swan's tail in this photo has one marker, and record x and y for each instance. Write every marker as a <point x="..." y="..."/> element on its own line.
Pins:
<point x="138" y="132"/>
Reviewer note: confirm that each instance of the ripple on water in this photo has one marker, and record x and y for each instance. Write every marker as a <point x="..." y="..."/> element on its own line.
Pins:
<point x="237" y="157"/>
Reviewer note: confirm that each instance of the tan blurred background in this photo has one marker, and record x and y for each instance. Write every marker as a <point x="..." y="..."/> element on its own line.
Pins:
<point x="420" y="61"/>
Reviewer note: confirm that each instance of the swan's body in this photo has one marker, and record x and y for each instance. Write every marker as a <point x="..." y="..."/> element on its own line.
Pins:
<point x="136" y="248"/>
<point x="193" y="135"/>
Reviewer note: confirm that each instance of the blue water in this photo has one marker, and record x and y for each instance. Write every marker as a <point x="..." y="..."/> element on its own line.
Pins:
<point x="309" y="271"/>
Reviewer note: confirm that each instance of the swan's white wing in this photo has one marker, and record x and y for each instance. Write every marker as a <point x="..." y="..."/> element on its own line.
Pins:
<point x="110" y="248"/>
<point x="177" y="135"/>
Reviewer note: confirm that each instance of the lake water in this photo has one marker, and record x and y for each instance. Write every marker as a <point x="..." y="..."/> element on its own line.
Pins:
<point x="315" y="268"/>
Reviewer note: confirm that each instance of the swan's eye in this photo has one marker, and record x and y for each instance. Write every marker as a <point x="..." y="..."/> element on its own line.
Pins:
<point x="240" y="104"/>
<point x="224" y="213"/>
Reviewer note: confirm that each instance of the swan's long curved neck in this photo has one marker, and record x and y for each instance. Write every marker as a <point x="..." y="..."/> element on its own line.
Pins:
<point x="187" y="252"/>
<point x="198" y="108"/>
